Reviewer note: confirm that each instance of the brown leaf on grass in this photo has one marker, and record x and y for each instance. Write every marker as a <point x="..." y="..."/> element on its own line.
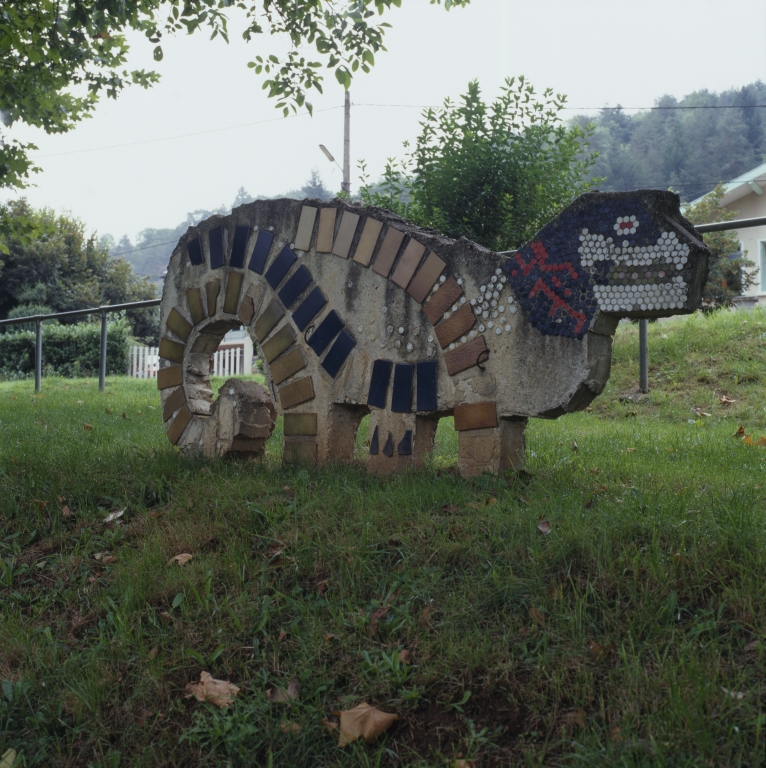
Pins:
<point x="40" y="504"/>
<point x="615" y="733"/>
<point x="288" y="727"/>
<point x="376" y="616"/>
<point x="556" y="592"/>
<point x="629" y="450"/>
<point x="594" y="471"/>
<point x="87" y="427"/>
<point x="753" y="645"/>
<point x="595" y="649"/>
<point x="143" y="715"/>
<point x="363" y="721"/>
<point x="322" y="586"/>
<point x="166" y="617"/>
<point x="575" y="447"/>
<point x="490" y="501"/>
<point x="537" y="616"/>
<point x="725" y="400"/>
<point x="575" y="718"/>
<point x="154" y="652"/>
<point x="425" y="614"/>
<point x="761" y="442"/>
<point x="181" y="559"/>
<point x="740" y="432"/>
<point x="9" y="756"/>
<point x="281" y="636"/>
<point x="747" y="440"/>
<point x="285" y="696"/>
<point x="115" y="515"/>
<point x="218" y="692"/>
<point x="736" y="695"/>
<point x="329" y="725"/>
<point x="287" y="490"/>
<point x="107" y="410"/>
<point x="66" y="512"/>
<point x="125" y="416"/>
<point x="544" y="526"/>
<point x="330" y="638"/>
<point x="405" y="657"/>
<point x="463" y="764"/>
<point x="108" y="559"/>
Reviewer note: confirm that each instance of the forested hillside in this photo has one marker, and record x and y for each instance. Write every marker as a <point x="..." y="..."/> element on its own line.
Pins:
<point x="715" y="138"/>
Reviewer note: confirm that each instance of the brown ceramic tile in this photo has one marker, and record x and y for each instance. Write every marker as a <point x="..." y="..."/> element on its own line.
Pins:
<point x="367" y="241"/>
<point x="172" y="350"/>
<point x="233" y="287"/>
<point x="270" y="317"/>
<point x="278" y="343"/>
<point x="173" y="403"/>
<point x="179" y="324"/>
<point x="427" y="275"/>
<point x="169" y="377"/>
<point x="465" y="356"/>
<point x="407" y="265"/>
<point x="455" y="326"/>
<point x="296" y="392"/>
<point x="326" y="230"/>
<point x="212" y="289"/>
<point x="246" y="310"/>
<point x="388" y="250"/>
<point x="447" y="294"/>
<point x="305" y="228"/>
<point x="176" y="427"/>
<point x="194" y="300"/>
<point x="475" y="416"/>
<point x="300" y="424"/>
<point x="299" y="450"/>
<point x="346" y="233"/>
<point x="290" y="363"/>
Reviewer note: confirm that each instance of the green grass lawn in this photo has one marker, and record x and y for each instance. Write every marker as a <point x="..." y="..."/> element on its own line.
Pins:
<point x="632" y="634"/>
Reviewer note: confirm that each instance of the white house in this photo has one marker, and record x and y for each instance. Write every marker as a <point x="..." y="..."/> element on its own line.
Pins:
<point x="745" y="195"/>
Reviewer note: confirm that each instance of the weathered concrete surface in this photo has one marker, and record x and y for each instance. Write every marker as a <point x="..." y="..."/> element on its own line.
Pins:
<point x="540" y="344"/>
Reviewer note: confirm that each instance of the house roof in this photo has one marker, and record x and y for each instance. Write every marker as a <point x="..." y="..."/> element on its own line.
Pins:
<point x="751" y="181"/>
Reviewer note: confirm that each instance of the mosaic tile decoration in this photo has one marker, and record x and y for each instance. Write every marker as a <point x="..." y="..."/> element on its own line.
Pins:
<point x="418" y="307"/>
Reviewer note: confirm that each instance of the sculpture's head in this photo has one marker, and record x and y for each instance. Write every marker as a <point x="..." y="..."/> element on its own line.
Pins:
<point x="625" y="254"/>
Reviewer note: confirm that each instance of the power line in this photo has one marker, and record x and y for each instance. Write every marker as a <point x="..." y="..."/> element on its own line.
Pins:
<point x="143" y="248"/>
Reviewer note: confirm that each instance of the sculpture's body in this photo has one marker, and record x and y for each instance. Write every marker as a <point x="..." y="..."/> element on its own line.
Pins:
<point x="356" y="311"/>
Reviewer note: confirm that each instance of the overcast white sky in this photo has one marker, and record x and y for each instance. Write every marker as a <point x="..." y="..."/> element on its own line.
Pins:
<point x="134" y="164"/>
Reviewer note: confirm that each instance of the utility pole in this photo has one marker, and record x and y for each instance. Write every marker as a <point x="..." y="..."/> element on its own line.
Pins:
<point x="346" y="187"/>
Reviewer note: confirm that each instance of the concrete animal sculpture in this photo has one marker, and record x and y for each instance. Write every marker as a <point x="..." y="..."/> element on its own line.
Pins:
<point x="356" y="311"/>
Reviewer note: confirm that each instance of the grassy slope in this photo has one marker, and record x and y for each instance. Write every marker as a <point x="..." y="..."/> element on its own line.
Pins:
<point x="608" y="642"/>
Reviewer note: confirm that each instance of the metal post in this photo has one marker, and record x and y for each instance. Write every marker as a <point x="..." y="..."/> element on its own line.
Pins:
<point x="38" y="354"/>
<point x="347" y="145"/>
<point x="102" y="354"/>
<point x="643" y="355"/>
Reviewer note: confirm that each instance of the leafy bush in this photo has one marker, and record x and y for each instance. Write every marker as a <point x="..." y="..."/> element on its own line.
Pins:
<point x="68" y="350"/>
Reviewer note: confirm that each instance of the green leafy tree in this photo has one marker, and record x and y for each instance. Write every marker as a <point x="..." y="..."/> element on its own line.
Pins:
<point x="64" y="269"/>
<point x="57" y="58"/>
<point x="494" y="173"/>
<point x="731" y="272"/>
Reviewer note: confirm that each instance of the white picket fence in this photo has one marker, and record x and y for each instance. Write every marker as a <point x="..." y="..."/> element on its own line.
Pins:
<point x="232" y="360"/>
<point x="144" y="362"/>
<point x="228" y="361"/>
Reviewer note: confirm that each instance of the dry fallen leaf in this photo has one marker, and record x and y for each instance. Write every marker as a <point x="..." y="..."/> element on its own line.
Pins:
<point x="330" y="638"/>
<point x="9" y="756"/>
<point x="376" y="616"/>
<point x="87" y="427"/>
<point x="282" y="696"/>
<point x="107" y="410"/>
<point x="753" y="645"/>
<point x="322" y="586"/>
<point x="405" y="657"/>
<point x="544" y="526"/>
<point x="595" y="649"/>
<point x="747" y="440"/>
<point x="740" y="432"/>
<point x="165" y="616"/>
<point x="537" y="616"/>
<point x="630" y="450"/>
<point x="281" y="636"/>
<point x="153" y="653"/>
<point x="574" y="718"/>
<point x="463" y="764"/>
<point x="425" y="614"/>
<point x="112" y="516"/>
<point x="125" y="416"/>
<point x="181" y="559"/>
<point x="218" y="692"/>
<point x="738" y="695"/>
<point x="108" y="559"/>
<point x="726" y="400"/>
<point x="290" y="727"/>
<point x="143" y="715"/>
<point x="575" y="447"/>
<point x="363" y="721"/>
<point x="66" y="512"/>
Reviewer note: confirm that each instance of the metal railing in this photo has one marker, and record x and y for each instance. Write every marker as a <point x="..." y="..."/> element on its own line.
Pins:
<point x="103" y="311"/>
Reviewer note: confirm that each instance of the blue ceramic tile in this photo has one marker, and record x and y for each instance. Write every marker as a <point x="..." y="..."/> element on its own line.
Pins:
<point x="215" y="237"/>
<point x="338" y="353"/>
<point x="325" y="333"/>
<point x="374" y="443"/>
<point x="401" y="400"/>
<point x="426" y="387"/>
<point x="308" y="308"/>
<point x="388" y="448"/>
<point x="238" y="249"/>
<point x="405" y="446"/>
<point x="280" y="267"/>
<point x="295" y="285"/>
<point x="261" y="251"/>
<point x="195" y="251"/>
<point x="381" y="375"/>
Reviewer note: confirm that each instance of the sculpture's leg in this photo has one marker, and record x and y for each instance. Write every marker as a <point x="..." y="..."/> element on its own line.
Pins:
<point x="493" y="449"/>
<point x="399" y="441"/>
<point x="317" y="438"/>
